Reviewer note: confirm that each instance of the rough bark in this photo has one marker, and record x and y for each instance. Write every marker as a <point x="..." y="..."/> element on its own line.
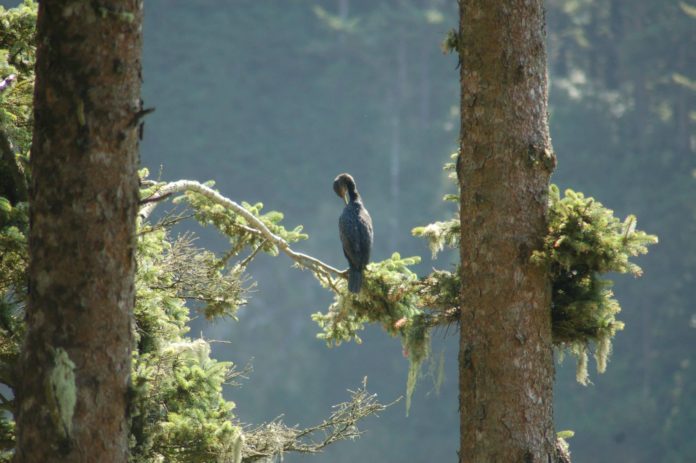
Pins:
<point x="75" y="364"/>
<point x="506" y="366"/>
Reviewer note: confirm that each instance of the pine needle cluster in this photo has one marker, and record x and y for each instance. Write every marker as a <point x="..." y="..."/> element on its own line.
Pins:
<point x="239" y="231"/>
<point x="17" y="52"/>
<point x="585" y="241"/>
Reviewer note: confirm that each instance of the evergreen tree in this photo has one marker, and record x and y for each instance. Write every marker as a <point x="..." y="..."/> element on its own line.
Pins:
<point x="176" y="410"/>
<point x="505" y="357"/>
<point x="583" y="239"/>
<point x="74" y="367"/>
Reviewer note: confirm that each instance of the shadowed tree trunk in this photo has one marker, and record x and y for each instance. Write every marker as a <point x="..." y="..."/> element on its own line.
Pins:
<point x="506" y="365"/>
<point x="75" y="364"/>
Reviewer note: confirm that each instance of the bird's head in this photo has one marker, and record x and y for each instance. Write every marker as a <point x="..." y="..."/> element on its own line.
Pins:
<point x="344" y="186"/>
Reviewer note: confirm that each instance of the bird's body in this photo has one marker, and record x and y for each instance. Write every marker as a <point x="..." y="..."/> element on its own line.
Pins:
<point x="355" y="229"/>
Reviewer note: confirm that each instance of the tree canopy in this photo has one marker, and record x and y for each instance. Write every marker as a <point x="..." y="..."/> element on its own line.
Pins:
<point x="618" y="88"/>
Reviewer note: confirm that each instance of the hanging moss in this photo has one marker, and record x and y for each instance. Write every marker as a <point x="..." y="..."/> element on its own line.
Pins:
<point x="387" y="298"/>
<point x="416" y="344"/>
<point x="584" y="241"/>
<point x="390" y="296"/>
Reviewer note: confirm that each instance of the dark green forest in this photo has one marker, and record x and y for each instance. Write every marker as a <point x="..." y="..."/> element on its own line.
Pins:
<point x="271" y="100"/>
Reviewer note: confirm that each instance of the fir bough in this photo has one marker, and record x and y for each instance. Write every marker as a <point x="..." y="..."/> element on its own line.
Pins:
<point x="17" y="52"/>
<point x="586" y="240"/>
<point x="177" y="410"/>
<point x="241" y="233"/>
<point x="389" y="297"/>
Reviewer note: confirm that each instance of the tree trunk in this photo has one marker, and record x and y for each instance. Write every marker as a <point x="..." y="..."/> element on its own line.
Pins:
<point x="505" y="361"/>
<point x="75" y="363"/>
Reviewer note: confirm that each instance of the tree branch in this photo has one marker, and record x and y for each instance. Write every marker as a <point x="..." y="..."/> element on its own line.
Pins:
<point x="274" y="438"/>
<point x="303" y="260"/>
<point x="154" y="199"/>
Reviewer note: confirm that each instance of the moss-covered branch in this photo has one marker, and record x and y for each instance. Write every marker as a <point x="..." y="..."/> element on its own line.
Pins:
<point x="254" y="224"/>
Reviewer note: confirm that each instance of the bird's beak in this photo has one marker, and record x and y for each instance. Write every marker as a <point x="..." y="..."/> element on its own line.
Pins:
<point x="345" y="197"/>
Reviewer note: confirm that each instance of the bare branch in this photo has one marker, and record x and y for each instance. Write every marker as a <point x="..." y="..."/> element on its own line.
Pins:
<point x="153" y="199"/>
<point x="274" y="438"/>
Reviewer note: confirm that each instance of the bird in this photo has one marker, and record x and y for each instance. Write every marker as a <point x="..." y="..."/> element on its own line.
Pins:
<point x="355" y="230"/>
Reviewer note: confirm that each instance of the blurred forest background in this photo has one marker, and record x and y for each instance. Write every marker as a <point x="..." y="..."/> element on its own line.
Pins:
<point x="273" y="99"/>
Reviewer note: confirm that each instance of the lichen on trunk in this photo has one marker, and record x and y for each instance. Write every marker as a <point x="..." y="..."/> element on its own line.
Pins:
<point x="75" y="363"/>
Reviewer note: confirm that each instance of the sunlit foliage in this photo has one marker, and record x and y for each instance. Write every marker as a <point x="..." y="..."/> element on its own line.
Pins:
<point x="584" y="241"/>
<point x="177" y="409"/>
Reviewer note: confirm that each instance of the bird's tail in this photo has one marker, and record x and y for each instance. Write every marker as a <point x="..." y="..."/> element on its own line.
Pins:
<point x="355" y="277"/>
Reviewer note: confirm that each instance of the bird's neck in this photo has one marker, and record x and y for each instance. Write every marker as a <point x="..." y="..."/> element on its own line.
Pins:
<point x="353" y="195"/>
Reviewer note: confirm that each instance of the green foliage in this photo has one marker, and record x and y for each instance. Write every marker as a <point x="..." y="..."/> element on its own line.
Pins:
<point x="17" y="49"/>
<point x="240" y="233"/>
<point x="390" y="298"/>
<point x="450" y="44"/>
<point x="14" y="227"/>
<point x="7" y="433"/>
<point x="178" y="410"/>
<point x="586" y="240"/>
<point x="16" y="57"/>
<point x="439" y="235"/>
<point x="446" y="233"/>
<point x="196" y="275"/>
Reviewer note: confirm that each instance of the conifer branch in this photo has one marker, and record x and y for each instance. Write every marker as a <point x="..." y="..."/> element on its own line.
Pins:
<point x="273" y="439"/>
<point x="303" y="260"/>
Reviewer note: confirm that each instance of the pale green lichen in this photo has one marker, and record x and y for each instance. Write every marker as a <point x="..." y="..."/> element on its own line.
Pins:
<point x="439" y="235"/>
<point x="581" y="374"/>
<point x="62" y="391"/>
<point x="416" y="344"/>
<point x="237" y="446"/>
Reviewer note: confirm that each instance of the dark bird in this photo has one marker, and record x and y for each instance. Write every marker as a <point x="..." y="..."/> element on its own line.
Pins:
<point x="355" y="228"/>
